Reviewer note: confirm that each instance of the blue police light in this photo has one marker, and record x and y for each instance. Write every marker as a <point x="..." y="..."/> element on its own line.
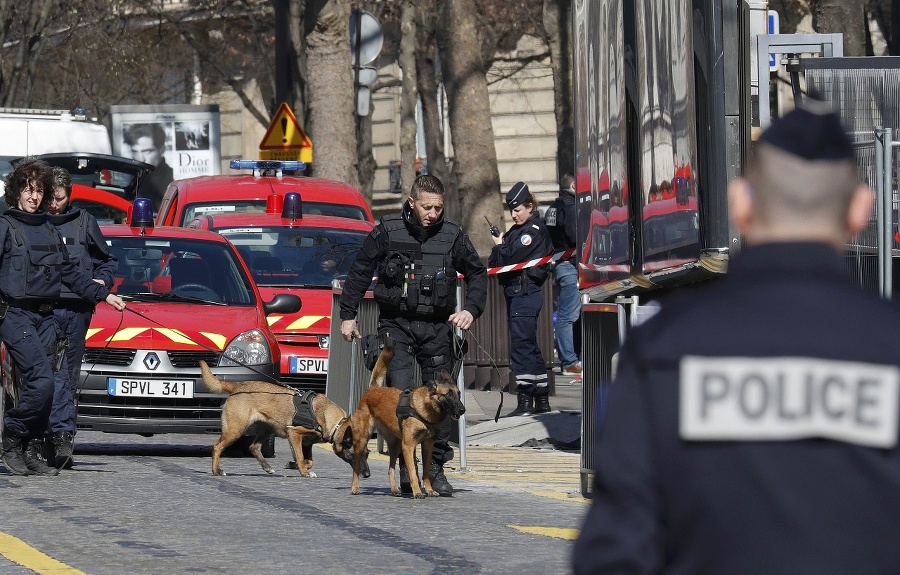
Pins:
<point x="142" y="213"/>
<point x="293" y="206"/>
<point x="277" y="165"/>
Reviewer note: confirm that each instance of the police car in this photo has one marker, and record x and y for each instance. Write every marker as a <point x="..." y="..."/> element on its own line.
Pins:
<point x="190" y="297"/>
<point x="290" y="251"/>
<point x="248" y="193"/>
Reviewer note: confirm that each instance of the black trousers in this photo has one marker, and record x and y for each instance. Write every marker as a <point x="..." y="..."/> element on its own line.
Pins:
<point x="428" y="343"/>
<point x="27" y="335"/>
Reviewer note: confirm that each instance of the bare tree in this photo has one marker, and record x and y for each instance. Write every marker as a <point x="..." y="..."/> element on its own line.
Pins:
<point x="427" y="75"/>
<point x="409" y="94"/>
<point x="558" y="36"/>
<point x="847" y="16"/>
<point x="331" y="109"/>
<point x="475" y="158"/>
<point x="25" y="25"/>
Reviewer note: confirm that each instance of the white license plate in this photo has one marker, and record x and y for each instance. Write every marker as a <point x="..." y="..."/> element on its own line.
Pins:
<point x="149" y="387"/>
<point x="309" y="365"/>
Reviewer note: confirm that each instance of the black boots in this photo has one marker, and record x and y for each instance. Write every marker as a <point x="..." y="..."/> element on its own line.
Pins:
<point x="59" y="450"/>
<point x="13" y="453"/>
<point x="541" y="404"/>
<point x="34" y="459"/>
<point x="439" y="481"/>
<point x="525" y="407"/>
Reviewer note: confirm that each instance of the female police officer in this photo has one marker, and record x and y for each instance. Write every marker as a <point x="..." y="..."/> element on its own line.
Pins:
<point x="526" y="240"/>
<point x="34" y="265"/>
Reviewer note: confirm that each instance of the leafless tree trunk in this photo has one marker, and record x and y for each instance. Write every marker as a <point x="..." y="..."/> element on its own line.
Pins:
<point x="409" y="94"/>
<point x="26" y="23"/>
<point x="331" y="94"/>
<point x="426" y="73"/>
<point x="847" y="16"/>
<point x="475" y="158"/>
<point x="558" y="37"/>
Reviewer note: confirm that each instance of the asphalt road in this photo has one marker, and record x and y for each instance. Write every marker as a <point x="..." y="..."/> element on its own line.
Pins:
<point x="151" y="505"/>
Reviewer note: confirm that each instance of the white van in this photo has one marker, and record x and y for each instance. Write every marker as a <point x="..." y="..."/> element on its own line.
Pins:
<point x="29" y="132"/>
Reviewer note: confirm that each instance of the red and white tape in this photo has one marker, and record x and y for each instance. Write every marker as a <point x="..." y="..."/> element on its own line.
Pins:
<point x="531" y="263"/>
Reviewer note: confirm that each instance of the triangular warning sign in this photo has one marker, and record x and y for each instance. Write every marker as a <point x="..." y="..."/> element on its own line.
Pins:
<point x="285" y="133"/>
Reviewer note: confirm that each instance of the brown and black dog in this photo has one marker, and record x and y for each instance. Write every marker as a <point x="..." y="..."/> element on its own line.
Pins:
<point x="272" y="408"/>
<point x="429" y="404"/>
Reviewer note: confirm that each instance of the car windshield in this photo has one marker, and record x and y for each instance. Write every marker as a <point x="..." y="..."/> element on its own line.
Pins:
<point x="173" y="270"/>
<point x="191" y="211"/>
<point x="297" y="256"/>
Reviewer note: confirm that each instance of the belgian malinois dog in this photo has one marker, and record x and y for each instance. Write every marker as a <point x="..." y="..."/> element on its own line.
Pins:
<point x="403" y="428"/>
<point x="273" y="409"/>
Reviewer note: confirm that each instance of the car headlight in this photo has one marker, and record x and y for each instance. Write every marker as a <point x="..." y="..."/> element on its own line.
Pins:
<point x="249" y="348"/>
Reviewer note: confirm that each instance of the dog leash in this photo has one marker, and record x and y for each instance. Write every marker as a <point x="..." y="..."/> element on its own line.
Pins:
<point x="469" y="333"/>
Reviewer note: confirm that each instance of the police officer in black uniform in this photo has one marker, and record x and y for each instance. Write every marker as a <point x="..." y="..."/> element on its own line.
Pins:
<point x="560" y="219"/>
<point x="34" y="265"/>
<point x="90" y="252"/>
<point x="752" y="426"/>
<point x="418" y="255"/>
<point x="526" y="240"/>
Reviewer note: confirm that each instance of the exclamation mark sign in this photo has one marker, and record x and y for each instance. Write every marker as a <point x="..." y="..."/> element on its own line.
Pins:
<point x="284" y="130"/>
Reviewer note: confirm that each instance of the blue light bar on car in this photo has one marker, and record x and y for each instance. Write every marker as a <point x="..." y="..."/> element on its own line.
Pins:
<point x="293" y="206"/>
<point x="142" y="213"/>
<point x="277" y="165"/>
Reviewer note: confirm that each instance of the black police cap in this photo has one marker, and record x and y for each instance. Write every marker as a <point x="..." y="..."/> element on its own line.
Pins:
<point x="812" y="131"/>
<point x="517" y="195"/>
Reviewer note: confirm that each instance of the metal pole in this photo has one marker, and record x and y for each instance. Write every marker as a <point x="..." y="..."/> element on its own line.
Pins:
<point x="461" y="383"/>
<point x="887" y="209"/>
<point x="882" y="187"/>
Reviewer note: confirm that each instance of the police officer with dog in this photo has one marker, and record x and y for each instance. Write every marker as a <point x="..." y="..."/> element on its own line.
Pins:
<point x="34" y="266"/>
<point x="417" y="256"/>
<point x="87" y="248"/>
<point x="752" y="426"/>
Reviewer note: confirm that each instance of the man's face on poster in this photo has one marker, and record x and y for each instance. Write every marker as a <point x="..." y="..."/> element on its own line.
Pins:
<point x="144" y="150"/>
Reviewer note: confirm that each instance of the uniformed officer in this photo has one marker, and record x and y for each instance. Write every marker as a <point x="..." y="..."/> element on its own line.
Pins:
<point x="526" y="240"/>
<point x="34" y="265"/>
<point x="560" y="219"/>
<point x="752" y="426"/>
<point x="418" y="254"/>
<point x="87" y="248"/>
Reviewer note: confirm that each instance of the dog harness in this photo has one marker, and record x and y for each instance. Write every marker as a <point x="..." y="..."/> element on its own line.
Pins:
<point x="404" y="410"/>
<point x="303" y="412"/>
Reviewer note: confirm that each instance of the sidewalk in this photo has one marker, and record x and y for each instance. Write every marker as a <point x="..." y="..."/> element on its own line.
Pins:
<point x="539" y="454"/>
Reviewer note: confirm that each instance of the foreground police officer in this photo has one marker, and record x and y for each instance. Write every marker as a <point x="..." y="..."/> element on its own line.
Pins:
<point x="418" y="255"/>
<point x="87" y="248"/>
<point x="752" y="427"/>
<point x="34" y="266"/>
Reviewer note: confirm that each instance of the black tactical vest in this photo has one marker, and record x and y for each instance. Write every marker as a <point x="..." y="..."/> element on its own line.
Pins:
<point x="32" y="268"/>
<point x="73" y="226"/>
<point x="417" y="278"/>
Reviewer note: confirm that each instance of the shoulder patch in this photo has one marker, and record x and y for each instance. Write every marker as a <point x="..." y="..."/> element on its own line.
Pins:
<point x="525" y="239"/>
<point x="535" y="226"/>
<point x="786" y="398"/>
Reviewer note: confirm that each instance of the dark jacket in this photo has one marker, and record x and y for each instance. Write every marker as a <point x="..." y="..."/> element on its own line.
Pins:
<point x="86" y="246"/>
<point x="34" y="263"/>
<point x="673" y="493"/>
<point x="522" y="243"/>
<point x="560" y="220"/>
<point x="375" y="250"/>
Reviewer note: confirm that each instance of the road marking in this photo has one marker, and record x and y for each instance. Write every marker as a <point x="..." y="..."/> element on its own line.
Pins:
<point x="557" y="532"/>
<point x="27" y="556"/>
